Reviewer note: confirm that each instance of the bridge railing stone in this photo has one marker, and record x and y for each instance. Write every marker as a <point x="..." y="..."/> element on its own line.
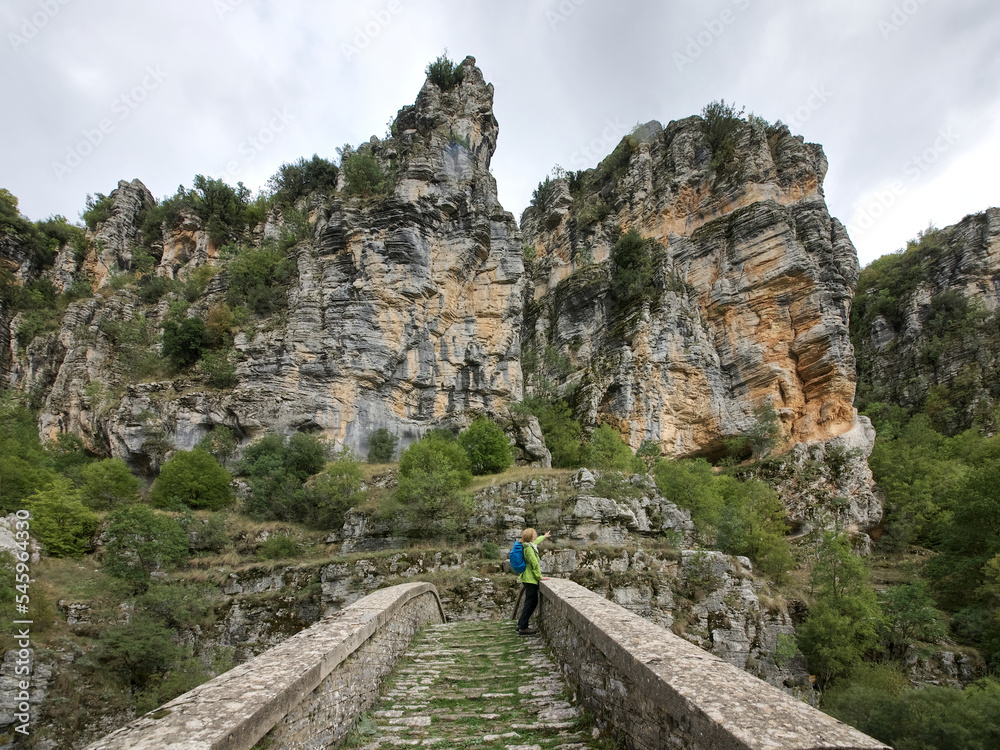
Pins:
<point x="305" y="692"/>
<point x="663" y="692"/>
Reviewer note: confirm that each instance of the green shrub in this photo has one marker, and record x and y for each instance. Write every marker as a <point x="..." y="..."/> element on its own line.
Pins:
<point x="332" y="492"/>
<point x="529" y="254"/>
<point x="220" y="322"/>
<point x="633" y="268"/>
<point x="278" y="547"/>
<point x="444" y="73"/>
<point x="606" y="451"/>
<point x="25" y="466"/>
<point x="108" y="483"/>
<point x="192" y="479"/>
<point x="219" y="370"/>
<point x="259" y="278"/>
<point x="138" y="653"/>
<point x="739" y="518"/>
<point x="543" y="193"/>
<point x="432" y="474"/>
<point x="690" y="484"/>
<point x="910" y="616"/>
<point x="615" y="165"/>
<point x="381" y="446"/>
<point x="487" y="446"/>
<point x="225" y="212"/>
<point x="34" y="323"/>
<point x="220" y="442"/>
<point x="592" y="212"/>
<point x="140" y="541"/>
<point x="207" y="535"/>
<point x="364" y="175"/>
<point x="197" y="282"/>
<point x="722" y="123"/>
<point x="222" y="208"/>
<point x="844" y="619"/>
<point x="133" y="342"/>
<point x="184" y="341"/>
<point x="649" y="449"/>
<point x="306" y="454"/>
<point x="60" y="521"/>
<point x="759" y="440"/>
<point x="563" y="434"/>
<point x="40" y="246"/>
<point x="302" y="178"/>
<point x="178" y="605"/>
<point x="752" y="523"/>
<point x="276" y="469"/>
<point x="41" y="306"/>
<point x="68" y="456"/>
<point x="878" y="700"/>
<point x="57" y="228"/>
<point x="965" y="575"/>
<point x="8" y="590"/>
<point x="97" y="210"/>
<point x="81" y="288"/>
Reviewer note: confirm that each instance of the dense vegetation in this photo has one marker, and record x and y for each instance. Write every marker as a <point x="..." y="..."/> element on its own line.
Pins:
<point x="633" y="268"/>
<point x="954" y="328"/>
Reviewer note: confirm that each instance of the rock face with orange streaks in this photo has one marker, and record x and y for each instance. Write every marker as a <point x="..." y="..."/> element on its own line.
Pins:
<point x="748" y="299"/>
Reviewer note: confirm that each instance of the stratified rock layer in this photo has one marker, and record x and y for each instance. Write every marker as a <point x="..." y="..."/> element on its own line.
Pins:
<point x="406" y="308"/>
<point x="749" y="304"/>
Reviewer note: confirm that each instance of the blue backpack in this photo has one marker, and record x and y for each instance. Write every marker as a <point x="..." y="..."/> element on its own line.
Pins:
<point x="517" y="563"/>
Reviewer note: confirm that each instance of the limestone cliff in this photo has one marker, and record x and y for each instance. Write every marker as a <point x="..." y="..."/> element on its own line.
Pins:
<point x="407" y="304"/>
<point x="404" y="308"/>
<point x="750" y="295"/>
<point x="926" y="327"/>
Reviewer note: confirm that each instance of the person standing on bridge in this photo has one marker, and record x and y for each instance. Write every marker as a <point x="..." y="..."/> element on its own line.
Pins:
<point x="531" y="577"/>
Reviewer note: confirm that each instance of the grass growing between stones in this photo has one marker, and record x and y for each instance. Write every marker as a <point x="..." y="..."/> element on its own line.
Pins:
<point x="475" y="684"/>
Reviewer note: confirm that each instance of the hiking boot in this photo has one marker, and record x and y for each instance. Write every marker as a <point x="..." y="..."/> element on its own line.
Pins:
<point x="528" y="631"/>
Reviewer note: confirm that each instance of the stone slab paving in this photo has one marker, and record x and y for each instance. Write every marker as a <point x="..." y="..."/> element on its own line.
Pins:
<point x="475" y="684"/>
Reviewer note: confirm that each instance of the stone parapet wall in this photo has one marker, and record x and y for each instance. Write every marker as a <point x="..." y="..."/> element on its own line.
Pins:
<point x="305" y="692"/>
<point x="663" y="692"/>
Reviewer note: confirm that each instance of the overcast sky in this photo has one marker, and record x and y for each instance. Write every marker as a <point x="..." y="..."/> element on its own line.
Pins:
<point x="903" y="94"/>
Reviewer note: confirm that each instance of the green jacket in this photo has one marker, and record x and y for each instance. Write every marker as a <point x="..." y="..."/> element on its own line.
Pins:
<point x="532" y="573"/>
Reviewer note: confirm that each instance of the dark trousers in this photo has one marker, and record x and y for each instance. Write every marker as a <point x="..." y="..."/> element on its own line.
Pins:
<point x="530" y="602"/>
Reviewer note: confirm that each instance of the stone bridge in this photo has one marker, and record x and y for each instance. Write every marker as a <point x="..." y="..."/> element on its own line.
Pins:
<point x="639" y="682"/>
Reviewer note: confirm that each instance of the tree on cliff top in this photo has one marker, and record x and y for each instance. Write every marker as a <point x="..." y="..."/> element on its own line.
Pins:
<point x="721" y="124"/>
<point x="444" y="73"/>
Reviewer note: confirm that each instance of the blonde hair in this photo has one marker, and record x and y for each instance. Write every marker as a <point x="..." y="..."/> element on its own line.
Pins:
<point x="529" y="535"/>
